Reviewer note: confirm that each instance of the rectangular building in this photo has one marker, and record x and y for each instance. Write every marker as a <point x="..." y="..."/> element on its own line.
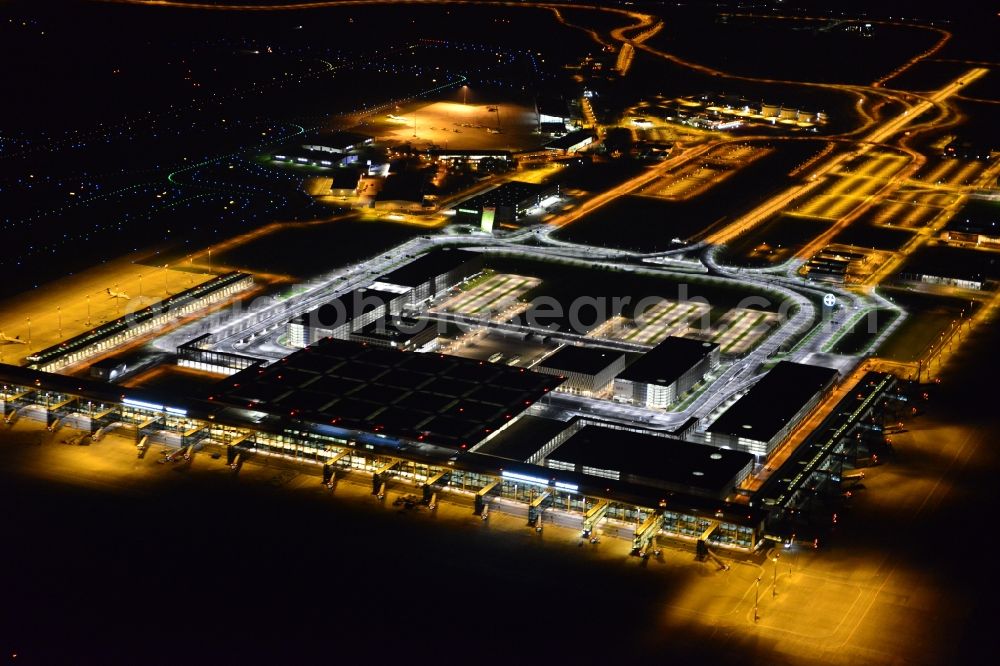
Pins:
<point x="510" y="201"/>
<point x="652" y="460"/>
<point x="588" y="370"/>
<point x="764" y="417"/>
<point x="431" y="274"/>
<point x="572" y="142"/>
<point x="666" y="372"/>
<point x="404" y="333"/>
<point x="344" y="315"/>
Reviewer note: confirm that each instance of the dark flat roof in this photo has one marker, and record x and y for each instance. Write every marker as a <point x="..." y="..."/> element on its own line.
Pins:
<point x="405" y="186"/>
<point x="523" y="438"/>
<point x="508" y="194"/>
<point x="584" y="360"/>
<point x="336" y="138"/>
<point x="344" y="178"/>
<point x="671" y="461"/>
<point x="977" y="217"/>
<point x="399" y="330"/>
<point x="345" y="307"/>
<point x="469" y="152"/>
<point x="666" y="362"/>
<point x="953" y="262"/>
<point x="568" y="141"/>
<point x="434" y="263"/>
<point x="438" y="399"/>
<point x="773" y="401"/>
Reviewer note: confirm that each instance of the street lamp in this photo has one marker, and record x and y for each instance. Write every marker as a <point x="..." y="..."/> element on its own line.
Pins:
<point x="465" y="92"/>
<point x="774" y="582"/>
<point x="140" y="287"/>
<point x="59" y="314"/>
<point x="756" y="599"/>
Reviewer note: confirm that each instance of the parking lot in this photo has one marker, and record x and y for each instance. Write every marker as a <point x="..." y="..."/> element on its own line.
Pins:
<point x="490" y="296"/>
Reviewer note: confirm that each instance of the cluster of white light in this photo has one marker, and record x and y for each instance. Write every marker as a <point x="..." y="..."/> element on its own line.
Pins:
<point x="537" y="480"/>
<point x="130" y="402"/>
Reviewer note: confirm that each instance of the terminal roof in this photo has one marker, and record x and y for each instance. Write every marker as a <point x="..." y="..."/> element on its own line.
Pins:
<point x="437" y="399"/>
<point x="523" y="438"/>
<point x="773" y="401"/>
<point x="673" y="462"/>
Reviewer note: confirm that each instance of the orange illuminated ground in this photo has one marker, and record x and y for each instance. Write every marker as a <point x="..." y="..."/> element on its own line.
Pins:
<point x="81" y="301"/>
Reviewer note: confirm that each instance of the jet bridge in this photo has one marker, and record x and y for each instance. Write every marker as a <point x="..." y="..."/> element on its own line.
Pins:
<point x="330" y="467"/>
<point x="481" y="508"/>
<point x="12" y="404"/>
<point x="379" y="477"/>
<point x="644" y="539"/>
<point x="535" y="509"/>
<point x="593" y="516"/>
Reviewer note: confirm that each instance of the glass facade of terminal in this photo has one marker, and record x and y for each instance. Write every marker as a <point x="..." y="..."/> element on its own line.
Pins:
<point x="172" y="426"/>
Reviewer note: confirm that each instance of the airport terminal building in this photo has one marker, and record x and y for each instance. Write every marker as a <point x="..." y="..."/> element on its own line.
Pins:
<point x="454" y="425"/>
<point x="766" y="414"/>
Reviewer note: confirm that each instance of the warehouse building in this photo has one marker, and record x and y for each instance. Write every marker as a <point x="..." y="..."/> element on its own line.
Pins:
<point x="571" y="143"/>
<point x="666" y="372"/>
<point x="589" y="371"/>
<point x="431" y="274"/>
<point x="978" y="222"/>
<point x="646" y="459"/>
<point x="766" y="414"/>
<point x="509" y="203"/>
<point x="964" y="268"/>
<point x="344" y="182"/>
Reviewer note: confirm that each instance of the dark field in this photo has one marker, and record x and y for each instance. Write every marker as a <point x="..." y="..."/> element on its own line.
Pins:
<point x="866" y="330"/>
<point x="773" y="241"/>
<point x="870" y="236"/>
<point x="928" y="317"/>
<point x="794" y="50"/>
<point x="306" y="251"/>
